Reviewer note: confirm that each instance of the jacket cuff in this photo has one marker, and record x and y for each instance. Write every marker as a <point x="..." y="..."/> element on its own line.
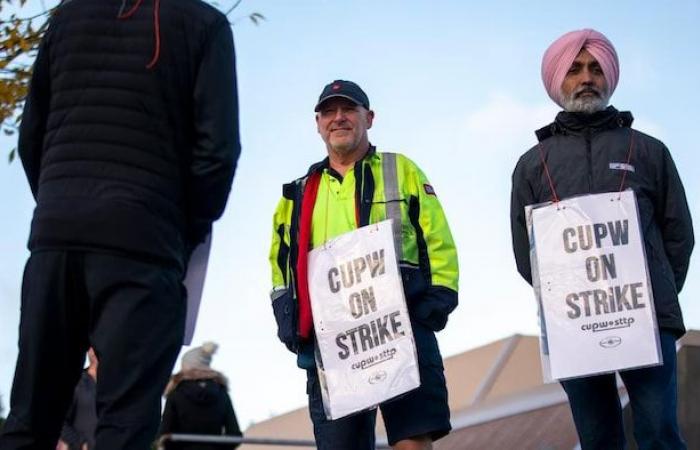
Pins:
<point x="434" y="307"/>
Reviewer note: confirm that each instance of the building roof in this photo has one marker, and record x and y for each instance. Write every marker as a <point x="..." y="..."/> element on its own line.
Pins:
<point x="540" y="429"/>
<point x="492" y="388"/>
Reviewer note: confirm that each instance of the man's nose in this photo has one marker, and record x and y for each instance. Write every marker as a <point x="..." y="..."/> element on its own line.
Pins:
<point x="339" y="114"/>
<point x="586" y="76"/>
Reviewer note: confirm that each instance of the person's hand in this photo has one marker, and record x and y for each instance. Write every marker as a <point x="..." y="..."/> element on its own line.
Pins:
<point x="62" y="445"/>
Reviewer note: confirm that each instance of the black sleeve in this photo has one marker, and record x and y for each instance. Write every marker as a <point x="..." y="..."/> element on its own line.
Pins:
<point x="34" y="116"/>
<point x="521" y="196"/>
<point x="675" y="221"/>
<point x="217" y="145"/>
<point x="435" y="306"/>
<point x="168" y="422"/>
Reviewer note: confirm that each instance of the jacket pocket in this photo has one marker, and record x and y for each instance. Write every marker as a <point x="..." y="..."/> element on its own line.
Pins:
<point x="657" y="261"/>
<point x="414" y="283"/>
<point x="284" y="306"/>
<point x="428" y="305"/>
<point x="398" y="205"/>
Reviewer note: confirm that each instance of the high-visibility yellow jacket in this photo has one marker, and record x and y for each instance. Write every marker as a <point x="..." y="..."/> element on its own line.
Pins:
<point x="427" y="257"/>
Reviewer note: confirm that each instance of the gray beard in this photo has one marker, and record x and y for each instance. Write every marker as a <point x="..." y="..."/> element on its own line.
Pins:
<point x="586" y="105"/>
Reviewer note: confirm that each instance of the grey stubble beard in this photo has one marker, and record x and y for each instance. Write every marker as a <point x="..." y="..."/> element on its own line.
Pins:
<point x="586" y="105"/>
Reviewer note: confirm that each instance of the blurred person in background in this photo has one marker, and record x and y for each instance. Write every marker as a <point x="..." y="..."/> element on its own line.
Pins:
<point x="81" y="421"/>
<point x="197" y="401"/>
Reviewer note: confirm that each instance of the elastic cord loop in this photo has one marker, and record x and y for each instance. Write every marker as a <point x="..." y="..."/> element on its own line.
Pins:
<point x="555" y="197"/>
<point x="130" y="12"/>
<point x="156" y="25"/>
<point x="629" y="158"/>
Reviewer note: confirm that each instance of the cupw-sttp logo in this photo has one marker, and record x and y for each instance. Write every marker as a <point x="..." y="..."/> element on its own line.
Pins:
<point x="610" y="342"/>
<point x="377" y="377"/>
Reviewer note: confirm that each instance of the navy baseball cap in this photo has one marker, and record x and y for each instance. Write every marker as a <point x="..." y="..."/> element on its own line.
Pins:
<point x="344" y="89"/>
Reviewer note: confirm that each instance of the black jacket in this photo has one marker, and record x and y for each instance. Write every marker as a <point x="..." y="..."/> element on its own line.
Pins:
<point x="581" y="151"/>
<point x="199" y="405"/>
<point x="127" y="158"/>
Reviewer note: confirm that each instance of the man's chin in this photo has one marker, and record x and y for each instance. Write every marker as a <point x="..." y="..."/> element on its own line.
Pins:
<point x="342" y="148"/>
<point x="585" y="105"/>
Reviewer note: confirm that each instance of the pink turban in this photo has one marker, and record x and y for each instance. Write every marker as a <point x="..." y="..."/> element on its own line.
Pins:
<point x="560" y="55"/>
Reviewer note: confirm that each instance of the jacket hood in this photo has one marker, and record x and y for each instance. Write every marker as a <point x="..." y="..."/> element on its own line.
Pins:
<point x="576" y="121"/>
<point x="215" y="378"/>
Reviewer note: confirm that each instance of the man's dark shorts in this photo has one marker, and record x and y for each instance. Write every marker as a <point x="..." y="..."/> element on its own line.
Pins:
<point x="423" y="411"/>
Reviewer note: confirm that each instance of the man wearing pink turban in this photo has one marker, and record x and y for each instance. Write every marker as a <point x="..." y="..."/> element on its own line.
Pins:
<point x="557" y="63"/>
<point x="590" y="148"/>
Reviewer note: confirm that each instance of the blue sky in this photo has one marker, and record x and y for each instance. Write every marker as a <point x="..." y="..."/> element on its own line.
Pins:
<point x="455" y="86"/>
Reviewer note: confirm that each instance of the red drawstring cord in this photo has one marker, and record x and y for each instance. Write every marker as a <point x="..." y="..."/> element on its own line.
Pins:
<point x="555" y="198"/>
<point x="624" y="172"/>
<point x="629" y="158"/>
<point x="130" y="12"/>
<point x="156" y="26"/>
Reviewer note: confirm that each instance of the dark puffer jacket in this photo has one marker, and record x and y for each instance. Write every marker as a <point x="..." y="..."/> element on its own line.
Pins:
<point x="583" y="153"/>
<point x="198" y="403"/>
<point x="127" y="158"/>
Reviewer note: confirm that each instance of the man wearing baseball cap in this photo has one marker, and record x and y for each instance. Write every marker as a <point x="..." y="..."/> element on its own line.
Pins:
<point x="591" y="148"/>
<point x="347" y="190"/>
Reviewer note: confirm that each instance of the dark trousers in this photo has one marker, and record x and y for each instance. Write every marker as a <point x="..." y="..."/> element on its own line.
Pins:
<point x="597" y="412"/>
<point x="132" y="313"/>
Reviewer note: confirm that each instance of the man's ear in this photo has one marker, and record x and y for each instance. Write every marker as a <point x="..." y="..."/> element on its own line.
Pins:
<point x="370" y="118"/>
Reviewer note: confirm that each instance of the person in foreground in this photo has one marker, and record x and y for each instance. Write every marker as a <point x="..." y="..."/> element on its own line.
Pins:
<point x="129" y="140"/>
<point x="588" y="149"/>
<point x="347" y="191"/>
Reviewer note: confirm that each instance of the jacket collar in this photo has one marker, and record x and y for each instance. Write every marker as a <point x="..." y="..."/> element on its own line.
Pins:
<point x="576" y="123"/>
<point x="324" y="164"/>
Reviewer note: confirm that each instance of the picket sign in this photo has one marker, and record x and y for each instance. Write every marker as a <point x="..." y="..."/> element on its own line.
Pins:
<point x="591" y="281"/>
<point x="366" y="353"/>
<point x="194" y="286"/>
